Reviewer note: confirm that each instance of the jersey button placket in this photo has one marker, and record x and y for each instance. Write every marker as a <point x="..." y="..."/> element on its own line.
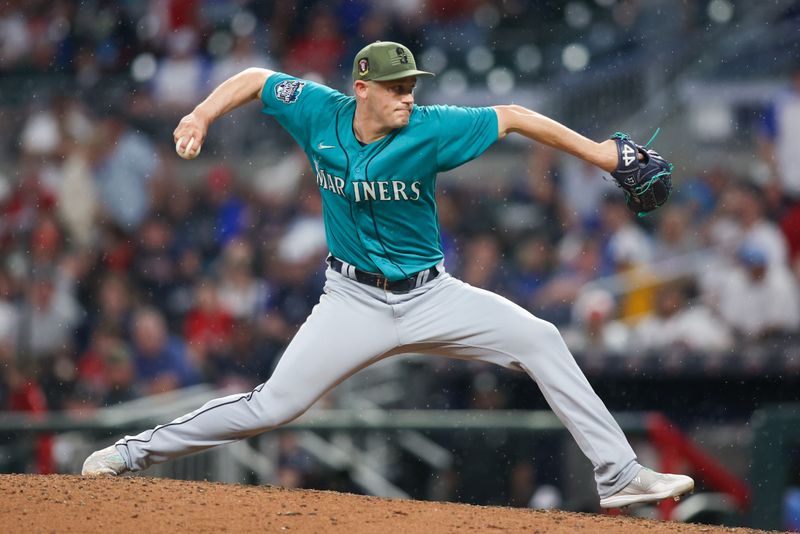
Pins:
<point x="358" y="167"/>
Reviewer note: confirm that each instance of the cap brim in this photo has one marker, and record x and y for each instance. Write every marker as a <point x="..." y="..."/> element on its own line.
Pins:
<point x="402" y="74"/>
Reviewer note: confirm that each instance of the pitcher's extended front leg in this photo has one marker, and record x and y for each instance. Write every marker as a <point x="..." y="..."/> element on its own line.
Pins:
<point x="345" y="332"/>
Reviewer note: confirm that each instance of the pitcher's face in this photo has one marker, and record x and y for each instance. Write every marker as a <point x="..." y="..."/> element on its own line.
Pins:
<point x="391" y="102"/>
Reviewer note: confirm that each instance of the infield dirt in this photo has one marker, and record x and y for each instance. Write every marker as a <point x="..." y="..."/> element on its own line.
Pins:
<point x="64" y="503"/>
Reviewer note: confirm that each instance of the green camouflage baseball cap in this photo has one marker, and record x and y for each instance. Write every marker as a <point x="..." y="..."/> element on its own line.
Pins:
<point x="382" y="61"/>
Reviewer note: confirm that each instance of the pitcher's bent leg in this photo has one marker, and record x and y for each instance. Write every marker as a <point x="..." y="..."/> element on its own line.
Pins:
<point x="571" y="397"/>
<point x="482" y="325"/>
<point x="329" y="347"/>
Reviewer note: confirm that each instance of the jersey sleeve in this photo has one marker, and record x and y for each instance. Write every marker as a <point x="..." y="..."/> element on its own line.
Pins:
<point x="463" y="134"/>
<point x="297" y="104"/>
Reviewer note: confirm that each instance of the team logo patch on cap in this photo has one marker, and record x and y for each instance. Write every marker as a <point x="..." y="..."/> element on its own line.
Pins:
<point x="363" y="66"/>
<point x="288" y="91"/>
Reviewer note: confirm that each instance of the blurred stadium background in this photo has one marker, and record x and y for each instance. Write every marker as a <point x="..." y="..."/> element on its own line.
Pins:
<point x="134" y="286"/>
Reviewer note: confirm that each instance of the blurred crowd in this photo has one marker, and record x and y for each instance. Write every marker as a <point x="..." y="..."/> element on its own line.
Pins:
<point x="126" y="272"/>
<point x="120" y="278"/>
<point x="172" y="52"/>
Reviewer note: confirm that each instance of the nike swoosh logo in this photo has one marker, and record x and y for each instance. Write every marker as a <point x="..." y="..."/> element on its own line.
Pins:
<point x="323" y="146"/>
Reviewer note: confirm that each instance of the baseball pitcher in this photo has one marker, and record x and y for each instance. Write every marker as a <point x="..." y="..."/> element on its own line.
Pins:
<point x="375" y="156"/>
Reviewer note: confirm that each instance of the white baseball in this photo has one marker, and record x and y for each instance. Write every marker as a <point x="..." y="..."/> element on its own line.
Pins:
<point x="187" y="153"/>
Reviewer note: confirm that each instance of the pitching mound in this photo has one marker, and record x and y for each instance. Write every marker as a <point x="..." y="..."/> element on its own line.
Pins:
<point x="60" y="503"/>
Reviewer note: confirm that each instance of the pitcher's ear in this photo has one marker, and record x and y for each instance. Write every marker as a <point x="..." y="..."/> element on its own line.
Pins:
<point x="360" y="88"/>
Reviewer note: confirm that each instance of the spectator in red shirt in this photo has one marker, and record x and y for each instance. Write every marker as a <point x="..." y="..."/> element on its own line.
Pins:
<point x="319" y="50"/>
<point x="208" y="326"/>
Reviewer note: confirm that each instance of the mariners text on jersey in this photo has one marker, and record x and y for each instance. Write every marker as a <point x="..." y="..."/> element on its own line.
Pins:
<point x="363" y="191"/>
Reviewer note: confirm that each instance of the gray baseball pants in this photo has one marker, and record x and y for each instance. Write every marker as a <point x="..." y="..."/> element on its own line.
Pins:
<point x="355" y="325"/>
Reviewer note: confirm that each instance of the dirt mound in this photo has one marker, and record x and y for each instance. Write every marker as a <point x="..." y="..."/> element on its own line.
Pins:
<point x="60" y="503"/>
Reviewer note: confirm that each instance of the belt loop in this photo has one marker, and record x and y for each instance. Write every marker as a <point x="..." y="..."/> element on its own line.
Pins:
<point x="385" y="284"/>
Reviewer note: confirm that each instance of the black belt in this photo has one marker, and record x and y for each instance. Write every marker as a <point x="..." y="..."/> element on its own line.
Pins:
<point x="376" y="280"/>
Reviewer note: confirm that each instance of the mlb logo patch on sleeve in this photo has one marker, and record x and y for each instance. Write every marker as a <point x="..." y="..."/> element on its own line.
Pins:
<point x="288" y="91"/>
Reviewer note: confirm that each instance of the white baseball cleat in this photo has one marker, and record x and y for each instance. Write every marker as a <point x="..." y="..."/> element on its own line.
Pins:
<point x="649" y="486"/>
<point x="106" y="461"/>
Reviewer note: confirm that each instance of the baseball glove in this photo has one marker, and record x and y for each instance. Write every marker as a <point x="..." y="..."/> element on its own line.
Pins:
<point x="647" y="182"/>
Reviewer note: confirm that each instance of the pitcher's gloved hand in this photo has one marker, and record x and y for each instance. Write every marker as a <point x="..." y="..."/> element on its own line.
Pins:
<point x="647" y="182"/>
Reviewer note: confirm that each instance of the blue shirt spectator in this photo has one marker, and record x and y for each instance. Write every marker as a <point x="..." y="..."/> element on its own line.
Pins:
<point x="125" y="162"/>
<point x="162" y="361"/>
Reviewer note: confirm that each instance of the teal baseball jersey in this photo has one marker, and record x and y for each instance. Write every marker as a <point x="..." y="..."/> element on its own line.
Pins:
<point x="379" y="199"/>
